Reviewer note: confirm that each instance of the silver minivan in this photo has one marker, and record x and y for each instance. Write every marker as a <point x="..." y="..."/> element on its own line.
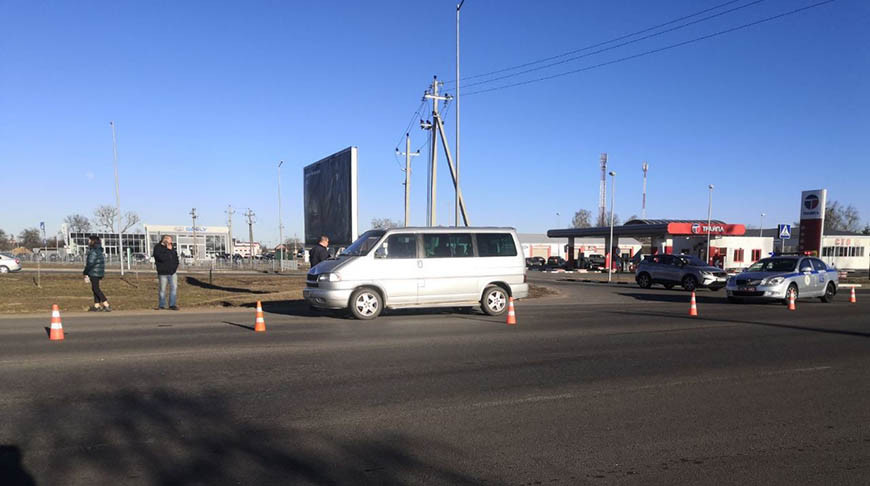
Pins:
<point x="421" y="267"/>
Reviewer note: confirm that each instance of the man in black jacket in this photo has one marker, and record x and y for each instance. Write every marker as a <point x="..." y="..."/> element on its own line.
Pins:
<point x="319" y="252"/>
<point x="166" y="260"/>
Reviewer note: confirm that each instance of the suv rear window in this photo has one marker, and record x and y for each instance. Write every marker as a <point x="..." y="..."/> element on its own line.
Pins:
<point x="495" y="244"/>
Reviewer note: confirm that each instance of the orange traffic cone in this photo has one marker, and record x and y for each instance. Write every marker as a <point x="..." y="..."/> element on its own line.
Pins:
<point x="511" y="314"/>
<point x="852" y="298"/>
<point x="260" y="323"/>
<point x="791" y="305"/>
<point x="693" y="307"/>
<point x="56" y="332"/>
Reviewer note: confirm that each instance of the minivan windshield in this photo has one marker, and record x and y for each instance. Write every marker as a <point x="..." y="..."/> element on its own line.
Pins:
<point x="773" y="265"/>
<point x="364" y="244"/>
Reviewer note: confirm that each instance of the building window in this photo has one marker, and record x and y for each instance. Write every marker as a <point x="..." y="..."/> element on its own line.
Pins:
<point x="756" y="255"/>
<point x="738" y="255"/>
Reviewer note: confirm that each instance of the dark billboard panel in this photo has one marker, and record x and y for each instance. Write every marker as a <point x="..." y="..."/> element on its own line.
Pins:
<point x="330" y="193"/>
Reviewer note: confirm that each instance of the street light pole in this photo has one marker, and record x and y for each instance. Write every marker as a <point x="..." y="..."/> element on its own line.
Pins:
<point x="761" y="228"/>
<point x="117" y="197"/>
<point x="612" y="197"/>
<point x="280" y="220"/>
<point x="709" y="221"/>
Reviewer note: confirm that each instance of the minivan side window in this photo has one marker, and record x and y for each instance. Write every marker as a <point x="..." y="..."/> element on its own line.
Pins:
<point x="398" y="246"/>
<point x="495" y="245"/>
<point x="447" y="245"/>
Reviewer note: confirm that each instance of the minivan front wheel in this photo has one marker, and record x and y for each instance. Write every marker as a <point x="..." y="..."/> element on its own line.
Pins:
<point x="365" y="304"/>
<point x="494" y="301"/>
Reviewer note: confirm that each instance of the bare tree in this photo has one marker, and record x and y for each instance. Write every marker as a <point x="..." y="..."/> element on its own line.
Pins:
<point x="106" y="218"/>
<point x="582" y="219"/>
<point x="606" y="220"/>
<point x="384" y="223"/>
<point x="78" y="223"/>
<point x="843" y="218"/>
<point x="30" y="238"/>
<point x="5" y="241"/>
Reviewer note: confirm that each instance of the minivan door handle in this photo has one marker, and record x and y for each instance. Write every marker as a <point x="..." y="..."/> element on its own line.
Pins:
<point x="419" y="263"/>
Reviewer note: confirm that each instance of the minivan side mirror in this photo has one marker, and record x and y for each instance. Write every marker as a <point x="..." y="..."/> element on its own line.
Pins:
<point x="381" y="252"/>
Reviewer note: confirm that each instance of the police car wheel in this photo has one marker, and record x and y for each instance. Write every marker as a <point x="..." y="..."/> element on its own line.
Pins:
<point x="830" y="292"/>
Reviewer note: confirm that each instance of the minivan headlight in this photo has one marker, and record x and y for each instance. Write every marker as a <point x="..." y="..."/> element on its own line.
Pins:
<point x="329" y="277"/>
<point x="773" y="281"/>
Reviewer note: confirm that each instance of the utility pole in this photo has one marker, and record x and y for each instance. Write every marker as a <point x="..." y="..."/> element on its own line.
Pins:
<point x="602" y="190"/>
<point x="230" y="212"/>
<point x="280" y="221"/>
<point x="645" y="167"/>
<point x="408" y="154"/>
<point x="433" y="165"/>
<point x="118" y="198"/>
<point x="709" y="221"/>
<point x="250" y="215"/>
<point x="193" y="252"/>
<point x="761" y="228"/>
<point x="458" y="7"/>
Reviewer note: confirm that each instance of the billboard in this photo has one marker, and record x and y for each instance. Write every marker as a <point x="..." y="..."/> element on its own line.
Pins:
<point x="330" y="198"/>
<point x="812" y="220"/>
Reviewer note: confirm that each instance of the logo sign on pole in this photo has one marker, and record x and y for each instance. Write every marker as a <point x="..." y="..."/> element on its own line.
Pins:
<point x="812" y="220"/>
<point x="784" y="231"/>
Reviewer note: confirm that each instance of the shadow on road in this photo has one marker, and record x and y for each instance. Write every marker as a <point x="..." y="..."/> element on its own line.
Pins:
<point x="199" y="283"/>
<point x="301" y="308"/>
<point x="675" y="296"/>
<point x="162" y="436"/>
<point x="752" y="323"/>
<point x="12" y="471"/>
<point x="243" y="326"/>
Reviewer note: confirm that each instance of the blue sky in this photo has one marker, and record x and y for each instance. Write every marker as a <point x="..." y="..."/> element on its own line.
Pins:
<point x="208" y="96"/>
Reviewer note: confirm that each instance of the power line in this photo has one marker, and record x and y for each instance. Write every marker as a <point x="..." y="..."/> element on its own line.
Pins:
<point x="626" y="36"/>
<point x="411" y="122"/>
<point x="610" y="48"/>
<point x="652" y="51"/>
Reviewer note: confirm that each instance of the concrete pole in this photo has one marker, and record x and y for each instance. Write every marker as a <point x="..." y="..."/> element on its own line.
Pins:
<point x="761" y="227"/>
<point x="610" y="243"/>
<point x="118" y="198"/>
<point x="433" y="169"/>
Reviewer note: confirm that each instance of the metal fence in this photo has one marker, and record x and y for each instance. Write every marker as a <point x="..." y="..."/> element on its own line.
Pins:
<point x="185" y="264"/>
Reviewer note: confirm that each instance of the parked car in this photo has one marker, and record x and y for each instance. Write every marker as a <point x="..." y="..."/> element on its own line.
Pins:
<point x="555" y="262"/>
<point x="9" y="263"/>
<point x="777" y="277"/>
<point x="534" y="262"/>
<point x="688" y="271"/>
<point x="421" y="267"/>
<point x="140" y="258"/>
<point x="594" y="262"/>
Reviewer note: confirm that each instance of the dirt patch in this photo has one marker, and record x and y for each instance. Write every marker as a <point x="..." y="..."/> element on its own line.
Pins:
<point x="19" y="294"/>
<point x="538" y="291"/>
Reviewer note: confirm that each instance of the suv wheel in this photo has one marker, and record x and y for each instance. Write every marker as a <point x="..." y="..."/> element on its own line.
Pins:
<point x="644" y="281"/>
<point x="365" y="304"/>
<point x="689" y="283"/>
<point x="494" y="301"/>
<point x="830" y="292"/>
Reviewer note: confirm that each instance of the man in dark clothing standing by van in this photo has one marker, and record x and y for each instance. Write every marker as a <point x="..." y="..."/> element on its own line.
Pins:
<point x="166" y="260"/>
<point x="319" y="252"/>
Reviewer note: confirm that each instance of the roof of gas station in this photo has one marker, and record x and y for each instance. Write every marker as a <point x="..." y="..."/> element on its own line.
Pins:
<point x="654" y="227"/>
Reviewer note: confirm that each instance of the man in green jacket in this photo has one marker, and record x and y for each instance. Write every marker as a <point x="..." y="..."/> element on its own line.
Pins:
<point x="95" y="270"/>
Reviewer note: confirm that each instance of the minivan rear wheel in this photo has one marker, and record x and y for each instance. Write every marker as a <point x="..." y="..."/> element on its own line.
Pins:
<point x="494" y="301"/>
<point x="365" y="303"/>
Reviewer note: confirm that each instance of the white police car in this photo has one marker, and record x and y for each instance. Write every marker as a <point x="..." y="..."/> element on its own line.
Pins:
<point x="776" y="277"/>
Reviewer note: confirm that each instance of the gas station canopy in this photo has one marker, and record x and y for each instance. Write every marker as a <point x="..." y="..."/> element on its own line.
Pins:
<point x="653" y="227"/>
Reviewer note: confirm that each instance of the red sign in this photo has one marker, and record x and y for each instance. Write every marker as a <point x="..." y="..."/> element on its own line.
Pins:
<point x="700" y="228"/>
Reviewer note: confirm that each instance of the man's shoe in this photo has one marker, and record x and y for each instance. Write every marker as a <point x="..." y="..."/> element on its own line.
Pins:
<point x="107" y="309"/>
<point x="95" y="309"/>
<point x="173" y="307"/>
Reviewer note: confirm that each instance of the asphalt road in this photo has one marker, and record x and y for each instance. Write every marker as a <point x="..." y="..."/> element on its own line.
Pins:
<point x="596" y="385"/>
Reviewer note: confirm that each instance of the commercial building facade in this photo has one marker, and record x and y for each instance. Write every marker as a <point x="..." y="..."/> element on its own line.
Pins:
<point x="199" y="242"/>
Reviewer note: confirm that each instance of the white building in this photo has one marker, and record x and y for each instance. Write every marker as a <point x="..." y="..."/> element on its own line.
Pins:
<point x="204" y="242"/>
<point x="243" y="248"/>
<point x="727" y="252"/>
<point x="541" y="245"/>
